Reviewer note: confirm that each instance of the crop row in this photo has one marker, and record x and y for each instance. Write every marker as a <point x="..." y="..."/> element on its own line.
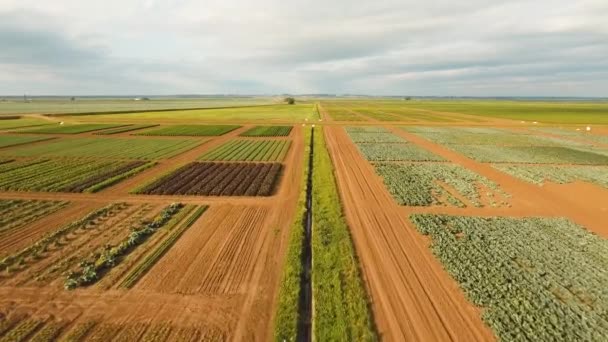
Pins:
<point x="583" y="135"/>
<point x="342" y="114"/>
<point x="107" y="148"/>
<point x="396" y="152"/>
<point x="65" y="175"/>
<point x="501" y="139"/>
<point x="366" y="129"/>
<point x="219" y="179"/>
<point x="249" y="150"/>
<point x="14" y="140"/>
<point x="537" y="279"/>
<point x="421" y="184"/>
<point x="151" y="259"/>
<point x="539" y="174"/>
<point x="123" y="129"/>
<point x="90" y="270"/>
<point x="267" y="131"/>
<point x="15" y="214"/>
<point x="191" y="130"/>
<point x="365" y="137"/>
<point x="69" y="128"/>
<point x="532" y="154"/>
<point x="37" y="248"/>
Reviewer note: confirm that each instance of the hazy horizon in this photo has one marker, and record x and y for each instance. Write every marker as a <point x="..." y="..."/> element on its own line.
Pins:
<point x="384" y="48"/>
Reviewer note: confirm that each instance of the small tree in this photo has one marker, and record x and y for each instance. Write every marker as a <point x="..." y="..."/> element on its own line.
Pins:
<point x="290" y="100"/>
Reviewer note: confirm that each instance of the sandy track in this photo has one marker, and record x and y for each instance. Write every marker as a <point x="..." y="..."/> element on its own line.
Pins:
<point x="413" y="298"/>
<point x="22" y="238"/>
<point x="584" y="203"/>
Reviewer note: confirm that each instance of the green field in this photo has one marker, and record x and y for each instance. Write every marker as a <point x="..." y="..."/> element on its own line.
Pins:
<point x="537" y="279"/>
<point x="76" y="175"/>
<point x="191" y="130"/>
<point x="87" y="105"/>
<point x="267" y="131"/>
<point x="68" y="128"/>
<point x="12" y="140"/>
<point x="280" y="113"/>
<point x="249" y="150"/>
<point x="106" y="148"/>
<point x="18" y="123"/>
<point x="124" y="129"/>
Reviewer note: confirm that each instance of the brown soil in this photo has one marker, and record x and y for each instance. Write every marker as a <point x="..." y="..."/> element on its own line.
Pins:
<point x="413" y="298"/>
<point x="547" y="200"/>
<point x="220" y="278"/>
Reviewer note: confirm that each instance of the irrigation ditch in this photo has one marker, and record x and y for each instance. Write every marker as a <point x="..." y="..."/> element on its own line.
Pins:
<point x="305" y="305"/>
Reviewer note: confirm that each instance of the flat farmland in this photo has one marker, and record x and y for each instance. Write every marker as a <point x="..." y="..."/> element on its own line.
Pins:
<point x="345" y="219"/>
<point x="114" y="148"/>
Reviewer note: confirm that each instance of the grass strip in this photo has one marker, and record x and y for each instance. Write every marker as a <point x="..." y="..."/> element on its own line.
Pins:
<point x="287" y="316"/>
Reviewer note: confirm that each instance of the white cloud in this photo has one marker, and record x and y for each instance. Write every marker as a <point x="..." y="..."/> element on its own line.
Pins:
<point x="380" y="47"/>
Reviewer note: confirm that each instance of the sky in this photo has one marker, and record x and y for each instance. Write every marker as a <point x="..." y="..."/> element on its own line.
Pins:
<point x="433" y="48"/>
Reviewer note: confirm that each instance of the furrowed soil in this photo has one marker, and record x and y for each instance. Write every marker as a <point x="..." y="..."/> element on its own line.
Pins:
<point x="412" y="297"/>
<point x="219" y="280"/>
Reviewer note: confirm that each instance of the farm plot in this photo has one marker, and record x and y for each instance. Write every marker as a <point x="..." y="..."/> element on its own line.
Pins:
<point x="532" y="154"/>
<point x="11" y="140"/>
<point x="84" y="251"/>
<point x="374" y="137"/>
<point x="593" y="138"/>
<point x="191" y="130"/>
<point x="218" y="179"/>
<point x="249" y="150"/>
<point x="124" y="129"/>
<point x="498" y="139"/>
<point x="366" y="129"/>
<point x="69" y="129"/>
<point x="116" y="148"/>
<point x="539" y="174"/>
<point x="396" y="152"/>
<point x="537" y="279"/>
<point x="267" y="131"/>
<point x="15" y="214"/>
<point x="439" y="184"/>
<point x="342" y="114"/>
<point x="68" y="175"/>
<point x="9" y="124"/>
<point x="214" y="257"/>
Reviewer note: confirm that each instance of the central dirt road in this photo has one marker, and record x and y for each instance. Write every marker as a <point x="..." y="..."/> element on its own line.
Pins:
<point x="413" y="298"/>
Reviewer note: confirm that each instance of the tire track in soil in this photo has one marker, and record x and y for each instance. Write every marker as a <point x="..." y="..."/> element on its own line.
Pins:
<point x="413" y="298"/>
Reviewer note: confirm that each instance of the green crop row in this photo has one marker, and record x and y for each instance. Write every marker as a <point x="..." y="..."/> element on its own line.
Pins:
<point x="117" y="148"/>
<point x="191" y="130"/>
<point x="539" y="174"/>
<point x="64" y="175"/>
<point x="69" y="128"/>
<point x="419" y="184"/>
<point x="249" y="150"/>
<point x="14" y="140"/>
<point x="537" y="279"/>
<point x="91" y="270"/>
<point x="532" y="154"/>
<point x="267" y="131"/>
<point x="365" y="137"/>
<point x="151" y="259"/>
<point x="396" y="152"/>
<point x="366" y="129"/>
<point x="287" y="315"/>
<point x="123" y="129"/>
